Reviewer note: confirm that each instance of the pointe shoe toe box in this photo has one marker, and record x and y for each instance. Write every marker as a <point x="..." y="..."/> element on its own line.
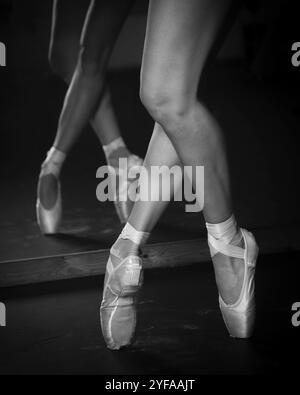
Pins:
<point x="118" y="307"/>
<point x="239" y="317"/>
<point x="49" y="213"/>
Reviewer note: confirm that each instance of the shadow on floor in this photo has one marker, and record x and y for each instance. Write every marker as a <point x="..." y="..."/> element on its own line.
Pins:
<point x="54" y="328"/>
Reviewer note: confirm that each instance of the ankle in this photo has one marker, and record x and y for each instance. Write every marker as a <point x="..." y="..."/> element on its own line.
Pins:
<point x="114" y="158"/>
<point x="129" y="242"/>
<point x="53" y="162"/>
<point x="226" y="232"/>
<point x="115" y="149"/>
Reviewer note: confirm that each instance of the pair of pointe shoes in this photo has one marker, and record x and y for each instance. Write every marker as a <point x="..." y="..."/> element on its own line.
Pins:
<point x="49" y="218"/>
<point x="122" y="282"/>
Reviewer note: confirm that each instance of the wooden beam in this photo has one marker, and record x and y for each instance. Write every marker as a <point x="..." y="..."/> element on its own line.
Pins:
<point x="170" y="254"/>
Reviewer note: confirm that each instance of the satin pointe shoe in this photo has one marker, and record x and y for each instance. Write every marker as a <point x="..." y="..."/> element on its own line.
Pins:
<point x="49" y="215"/>
<point x="118" y="308"/>
<point x="124" y="205"/>
<point x="239" y="317"/>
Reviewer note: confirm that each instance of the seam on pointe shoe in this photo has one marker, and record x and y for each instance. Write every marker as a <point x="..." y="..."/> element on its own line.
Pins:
<point x="110" y="321"/>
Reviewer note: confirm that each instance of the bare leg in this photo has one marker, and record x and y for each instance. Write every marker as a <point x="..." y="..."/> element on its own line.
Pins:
<point x="179" y="38"/>
<point x="145" y="214"/>
<point x="81" y="58"/>
<point x="88" y="81"/>
<point x="67" y="24"/>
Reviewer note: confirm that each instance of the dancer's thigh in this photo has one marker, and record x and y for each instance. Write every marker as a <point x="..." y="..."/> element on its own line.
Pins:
<point x="180" y="35"/>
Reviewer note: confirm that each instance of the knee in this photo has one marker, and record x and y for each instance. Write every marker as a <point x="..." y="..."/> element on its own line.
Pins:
<point x="181" y="115"/>
<point x="167" y="107"/>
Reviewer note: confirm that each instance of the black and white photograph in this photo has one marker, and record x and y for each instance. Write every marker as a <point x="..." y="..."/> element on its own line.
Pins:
<point x="150" y="219"/>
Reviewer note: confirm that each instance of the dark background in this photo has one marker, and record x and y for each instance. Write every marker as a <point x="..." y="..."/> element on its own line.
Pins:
<point x="31" y="96"/>
<point x="252" y="89"/>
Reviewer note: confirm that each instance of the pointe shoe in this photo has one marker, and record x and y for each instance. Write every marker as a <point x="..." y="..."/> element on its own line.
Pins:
<point x="123" y="207"/>
<point x="49" y="219"/>
<point x="118" y="307"/>
<point x="239" y="317"/>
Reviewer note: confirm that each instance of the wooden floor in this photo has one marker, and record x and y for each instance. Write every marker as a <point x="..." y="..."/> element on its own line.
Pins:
<point x="54" y="328"/>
